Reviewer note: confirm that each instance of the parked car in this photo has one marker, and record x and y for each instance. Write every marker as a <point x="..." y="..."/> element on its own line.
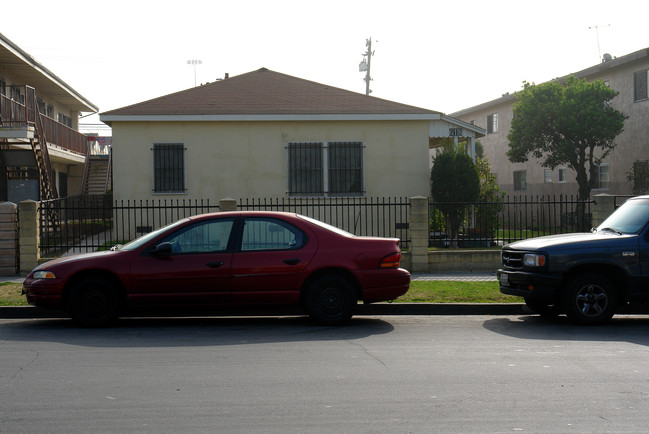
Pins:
<point x="226" y="259"/>
<point x="587" y="276"/>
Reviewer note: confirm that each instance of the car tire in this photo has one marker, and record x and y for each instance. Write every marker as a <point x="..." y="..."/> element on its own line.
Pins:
<point x="93" y="303"/>
<point x="330" y="300"/>
<point x="544" y="309"/>
<point x="590" y="299"/>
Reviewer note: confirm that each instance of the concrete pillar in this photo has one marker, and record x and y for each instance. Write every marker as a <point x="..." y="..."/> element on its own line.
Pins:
<point x="28" y="232"/>
<point x="227" y="205"/>
<point x="8" y="239"/>
<point x="602" y="208"/>
<point x="419" y="234"/>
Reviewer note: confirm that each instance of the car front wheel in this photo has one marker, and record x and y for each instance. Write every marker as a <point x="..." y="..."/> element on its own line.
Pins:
<point x="93" y="303"/>
<point x="590" y="299"/>
<point x="330" y="300"/>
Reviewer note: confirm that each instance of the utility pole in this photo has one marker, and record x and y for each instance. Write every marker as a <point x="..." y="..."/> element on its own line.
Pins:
<point x="366" y="64"/>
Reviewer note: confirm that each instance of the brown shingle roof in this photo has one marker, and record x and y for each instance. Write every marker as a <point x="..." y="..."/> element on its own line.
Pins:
<point x="266" y="92"/>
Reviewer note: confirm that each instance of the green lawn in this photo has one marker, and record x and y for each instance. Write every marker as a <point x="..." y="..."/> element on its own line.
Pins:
<point x="420" y="292"/>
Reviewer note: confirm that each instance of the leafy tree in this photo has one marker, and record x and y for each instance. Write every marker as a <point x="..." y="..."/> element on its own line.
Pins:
<point x="572" y="124"/>
<point x="454" y="183"/>
<point x="490" y="200"/>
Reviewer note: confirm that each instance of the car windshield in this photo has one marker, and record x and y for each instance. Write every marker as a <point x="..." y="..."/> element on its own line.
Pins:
<point x="132" y="245"/>
<point x="630" y="218"/>
<point x="326" y="226"/>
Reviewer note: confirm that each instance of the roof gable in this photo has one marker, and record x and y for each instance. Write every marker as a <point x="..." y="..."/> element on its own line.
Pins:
<point x="265" y="92"/>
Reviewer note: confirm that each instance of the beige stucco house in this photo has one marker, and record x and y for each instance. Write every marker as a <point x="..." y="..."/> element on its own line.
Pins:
<point x="629" y="76"/>
<point x="267" y="134"/>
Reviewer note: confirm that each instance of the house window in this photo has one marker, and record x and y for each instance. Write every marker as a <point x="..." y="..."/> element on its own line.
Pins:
<point x="492" y="123"/>
<point x="547" y="175"/>
<point x="563" y="175"/>
<point x="640" y="85"/>
<point x="65" y="120"/>
<point x="520" y="180"/>
<point x="602" y="176"/>
<point x="168" y="168"/>
<point x="325" y="168"/>
<point x="3" y="87"/>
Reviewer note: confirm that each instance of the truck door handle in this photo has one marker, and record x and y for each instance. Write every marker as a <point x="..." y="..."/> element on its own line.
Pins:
<point x="214" y="264"/>
<point x="291" y="261"/>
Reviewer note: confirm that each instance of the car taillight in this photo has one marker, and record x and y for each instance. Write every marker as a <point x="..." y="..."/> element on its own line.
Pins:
<point x="391" y="261"/>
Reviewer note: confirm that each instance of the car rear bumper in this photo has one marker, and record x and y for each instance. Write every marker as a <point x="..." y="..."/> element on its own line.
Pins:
<point x="526" y="284"/>
<point x="384" y="285"/>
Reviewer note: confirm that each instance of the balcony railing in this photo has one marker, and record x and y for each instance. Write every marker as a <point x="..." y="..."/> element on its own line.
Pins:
<point x="16" y="114"/>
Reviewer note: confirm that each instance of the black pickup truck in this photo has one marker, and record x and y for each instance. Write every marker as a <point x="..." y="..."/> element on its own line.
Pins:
<point x="587" y="276"/>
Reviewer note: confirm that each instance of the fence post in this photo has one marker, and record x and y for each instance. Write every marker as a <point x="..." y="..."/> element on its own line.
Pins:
<point x="602" y="208"/>
<point x="8" y="239"/>
<point x="419" y="234"/>
<point x="28" y="233"/>
<point x="227" y="205"/>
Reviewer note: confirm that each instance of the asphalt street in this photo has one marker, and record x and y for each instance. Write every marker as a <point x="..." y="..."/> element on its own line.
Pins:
<point x="378" y="374"/>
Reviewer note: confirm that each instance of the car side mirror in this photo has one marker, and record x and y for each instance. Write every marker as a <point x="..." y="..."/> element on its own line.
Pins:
<point x="162" y="249"/>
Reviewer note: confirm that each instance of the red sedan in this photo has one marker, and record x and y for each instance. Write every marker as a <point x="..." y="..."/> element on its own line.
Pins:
<point x="226" y="259"/>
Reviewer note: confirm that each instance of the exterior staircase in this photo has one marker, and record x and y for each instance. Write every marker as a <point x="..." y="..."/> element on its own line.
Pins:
<point x="97" y="175"/>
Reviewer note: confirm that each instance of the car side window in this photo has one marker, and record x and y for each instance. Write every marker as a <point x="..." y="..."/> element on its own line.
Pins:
<point x="204" y="237"/>
<point x="270" y="234"/>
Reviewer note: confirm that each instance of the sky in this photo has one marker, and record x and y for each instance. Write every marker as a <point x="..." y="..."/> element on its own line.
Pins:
<point x="443" y="56"/>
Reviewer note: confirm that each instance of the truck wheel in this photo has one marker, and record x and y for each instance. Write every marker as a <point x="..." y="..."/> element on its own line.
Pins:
<point x="544" y="309"/>
<point x="590" y="299"/>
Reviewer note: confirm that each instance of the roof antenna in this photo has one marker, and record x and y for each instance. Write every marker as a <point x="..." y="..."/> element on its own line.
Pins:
<point x="599" y="53"/>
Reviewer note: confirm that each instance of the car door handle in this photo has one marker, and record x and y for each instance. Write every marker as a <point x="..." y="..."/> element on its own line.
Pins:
<point x="291" y="261"/>
<point x="214" y="264"/>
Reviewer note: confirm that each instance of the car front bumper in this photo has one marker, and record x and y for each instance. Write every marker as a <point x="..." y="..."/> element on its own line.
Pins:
<point x="47" y="293"/>
<point x="525" y="284"/>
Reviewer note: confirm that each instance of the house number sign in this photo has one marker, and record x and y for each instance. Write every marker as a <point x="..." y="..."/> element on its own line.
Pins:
<point x="455" y="132"/>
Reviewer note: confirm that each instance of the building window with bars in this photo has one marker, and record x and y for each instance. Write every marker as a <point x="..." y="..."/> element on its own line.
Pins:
<point x="168" y="168"/>
<point x="325" y="169"/>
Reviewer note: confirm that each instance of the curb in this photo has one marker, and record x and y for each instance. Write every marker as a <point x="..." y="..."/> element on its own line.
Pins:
<point x="404" y="309"/>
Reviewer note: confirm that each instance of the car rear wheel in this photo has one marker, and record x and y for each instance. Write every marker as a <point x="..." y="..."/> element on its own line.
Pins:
<point x="93" y="303"/>
<point x="544" y="309"/>
<point x="590" y="299"/>
<point x="330" y="300"/>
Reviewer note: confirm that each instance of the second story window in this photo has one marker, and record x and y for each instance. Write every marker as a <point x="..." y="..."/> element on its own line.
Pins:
<point x="65" y="120"/>
<point x="492" y="123"/>
<point x="640" y="85"/>
<point x="563" y="174"/>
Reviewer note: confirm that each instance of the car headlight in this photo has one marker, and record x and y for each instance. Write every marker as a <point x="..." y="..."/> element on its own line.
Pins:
<point x="44" y="275"/>
<point x="533" y="260"/>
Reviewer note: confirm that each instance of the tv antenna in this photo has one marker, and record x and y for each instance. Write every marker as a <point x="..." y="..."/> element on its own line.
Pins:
<point x="599" y="52"/>
<point x="194" y="62"/>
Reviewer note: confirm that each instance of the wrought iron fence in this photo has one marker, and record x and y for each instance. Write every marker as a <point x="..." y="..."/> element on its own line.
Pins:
<point x="498" y="223"/>
<point x="82" y="224"/>
<point x="372" y="216"/>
